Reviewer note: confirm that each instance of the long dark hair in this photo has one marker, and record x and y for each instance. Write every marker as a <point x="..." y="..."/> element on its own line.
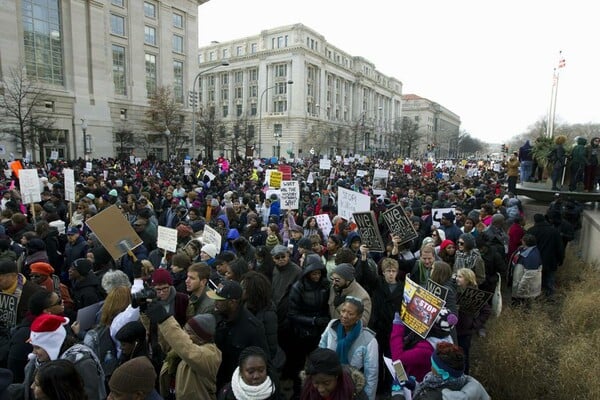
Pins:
<point x="257" y="289"/>
<point x="59" y="380"/>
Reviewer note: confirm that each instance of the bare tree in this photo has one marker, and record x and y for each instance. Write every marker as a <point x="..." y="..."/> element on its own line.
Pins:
<point x="22" y="110"/>
<point x="165" y="114"/>
<point x="125" y="137"/>
<point x="409" y="136"/>
<point x="211" y="132"/>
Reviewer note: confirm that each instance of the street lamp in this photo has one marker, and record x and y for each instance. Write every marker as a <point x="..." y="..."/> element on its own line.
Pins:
<point x="290" y="82"/>
<point x="223" y="63"/>
<point x="84" y="126"/>
<point x="167" y="134"/>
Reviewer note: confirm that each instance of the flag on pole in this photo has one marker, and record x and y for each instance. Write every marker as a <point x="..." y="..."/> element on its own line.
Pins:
<point x="561" y="60"/>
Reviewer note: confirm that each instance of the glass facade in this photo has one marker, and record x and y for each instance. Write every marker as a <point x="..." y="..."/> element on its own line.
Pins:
<point x="42" y="39"/>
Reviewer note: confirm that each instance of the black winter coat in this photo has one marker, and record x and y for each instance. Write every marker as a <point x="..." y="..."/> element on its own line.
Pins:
<point x="494" y="263"/>
<point x="385" y="304"/>
<point x="307" y="302"/>
<point x="74" y="251"/>
<point x="86" y="291"/>
<point x="549" y="242"/>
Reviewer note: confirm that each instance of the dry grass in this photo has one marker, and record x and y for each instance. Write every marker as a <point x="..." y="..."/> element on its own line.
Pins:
<point x="549" y="352"/>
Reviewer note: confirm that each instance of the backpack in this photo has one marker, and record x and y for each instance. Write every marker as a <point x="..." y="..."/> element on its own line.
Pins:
<point x="100" y="341"/>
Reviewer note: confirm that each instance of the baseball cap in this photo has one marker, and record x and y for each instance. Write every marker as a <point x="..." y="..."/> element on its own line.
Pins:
<point x="229" y="290"/>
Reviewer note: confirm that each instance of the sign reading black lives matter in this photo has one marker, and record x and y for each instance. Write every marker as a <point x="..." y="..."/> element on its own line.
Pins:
<point x="369" y="231"/>
<point x="471" y="300"/>
<point x="399" y="224"/>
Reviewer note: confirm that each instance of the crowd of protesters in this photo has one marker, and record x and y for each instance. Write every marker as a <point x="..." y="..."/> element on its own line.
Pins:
<point x="280" y="301"/>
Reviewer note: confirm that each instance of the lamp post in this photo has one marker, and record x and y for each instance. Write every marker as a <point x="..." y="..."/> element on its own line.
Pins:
<point x="290" y="82"/>
<point x="195" y="99"/>
<point x="84" y="126"/>
<point x="167" y="134"/>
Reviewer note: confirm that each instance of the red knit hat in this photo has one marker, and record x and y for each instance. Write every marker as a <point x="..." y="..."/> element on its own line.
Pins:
<point x="446" y="243"/>
<point x="42" y="268"/>
<point x="162" y="277"/>
<point x="48" y="332"/>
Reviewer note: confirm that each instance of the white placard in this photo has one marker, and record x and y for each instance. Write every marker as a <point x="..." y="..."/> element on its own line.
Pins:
<point x="30" y="186"/>
<point x="350" y="202"/>
<point x="211" y="236"/>
<point x="105" y="174"/>
<point x="324" y="164"/>
<point x="361" y="172"/>
<point x="324" y="223"/>
<point x="290" y="195"/>
<point x="131" y="159"/>
<point x="88" y="166"/>
<point x="436" y="215"/>
<point x="311" y="178"/>
<point x="210" y="175"/>
<point x="338" y="158"/>
<point x="167" y="239"/>
<point x="256" y="163"/>
<point x="138" y="160"/>
<point x="187" y="170"/>
<point x="54" y="155"/>
<point x="69" y="184"/>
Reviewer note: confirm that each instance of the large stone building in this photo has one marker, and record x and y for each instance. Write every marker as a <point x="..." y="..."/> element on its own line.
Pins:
<point x="98" y="61"/>
<point x="438" y="127"/>
<point x="288" y="90"/>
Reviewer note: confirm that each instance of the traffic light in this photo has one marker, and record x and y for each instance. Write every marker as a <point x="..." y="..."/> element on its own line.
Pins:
<point x="504" y="148"/>
<point x="428" y="147"/>
<point x="193" y="98"/>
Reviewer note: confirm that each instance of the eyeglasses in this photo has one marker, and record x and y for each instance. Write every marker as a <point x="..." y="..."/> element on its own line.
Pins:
<point x="162" y="289"/>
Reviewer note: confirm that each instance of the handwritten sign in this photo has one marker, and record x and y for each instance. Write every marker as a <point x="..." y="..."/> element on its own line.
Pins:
<point x="69" y="184"/>
<point x="361" y="172"/>
<point x="286" y="170"/>
<point x="399" y="224"/>
<point x="436" y="215"/>
<point x="420" y="308"/>
<point x="167" y="239"/>
<point x="275" y="179"/>
<point x="471" y="300"/>
<point x="324" y="164"/>
<point x="290" y="195"/>
<point x="369" y="231"/>
<point x="324" y="224"/>
<point x="211" y="236"/>
<point x="30" y="186"/>
<point x="350" y="202"/>
<point x="8" y="310"/>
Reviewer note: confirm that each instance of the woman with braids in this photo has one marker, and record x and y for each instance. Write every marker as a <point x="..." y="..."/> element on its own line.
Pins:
<point x="58" y="380"/>
<point x="253" y="379"/>
<point x="326" y="378"/>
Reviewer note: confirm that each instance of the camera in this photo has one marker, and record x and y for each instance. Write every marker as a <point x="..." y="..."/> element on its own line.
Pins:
<point x="140" y="299"/>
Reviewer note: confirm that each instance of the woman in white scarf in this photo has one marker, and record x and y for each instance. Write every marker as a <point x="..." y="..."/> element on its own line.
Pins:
<point x="253" y="379"/>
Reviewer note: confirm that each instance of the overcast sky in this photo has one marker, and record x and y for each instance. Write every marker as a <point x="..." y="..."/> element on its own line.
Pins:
<point x="489" y="62"/>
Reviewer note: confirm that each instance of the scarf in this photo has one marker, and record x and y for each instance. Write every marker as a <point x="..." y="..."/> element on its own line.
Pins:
<point x="345" y="341"/>
<point x="437" y="383"/>
<point x="243" y="391"/>
<point x="466" y="259"/>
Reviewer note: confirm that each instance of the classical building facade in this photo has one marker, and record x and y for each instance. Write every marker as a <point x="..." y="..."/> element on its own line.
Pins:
<point x="438" y="127"/>
<point x="98" y="62"/>
<point x="294" y="92"/>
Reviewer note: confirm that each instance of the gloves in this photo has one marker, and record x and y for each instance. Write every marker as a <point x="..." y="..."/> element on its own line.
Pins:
<point x="156" y="313"/>
<point x="397" y="320"/>
<point x="321" y="322"/>
<point x="411" y="383"/>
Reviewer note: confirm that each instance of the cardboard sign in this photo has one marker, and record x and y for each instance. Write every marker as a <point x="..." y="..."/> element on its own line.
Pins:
<point x="114" y="232"/>
<point x="275" y="179"/>
<point x="211" y="236"/>
<point x="399" y="224"/>
<point x="437" y="289"/>
<point x="167" y="239"/>
<point x="8" y="311"/>
<point x="290" y="195"/>
<point x="471" y="300"/>
<point x="30" y="186"/>
<point x="324" y="224"/>
<point x="380" y="180"/>
<point x="350" y="202"/>
<point x="436" y="215"/>
<point x="324" y="164"/>
<point x="69" y="184"/>
<point x="369" y="231"/>
<point x="286" y="170"/>
<point x="420" y="308"/>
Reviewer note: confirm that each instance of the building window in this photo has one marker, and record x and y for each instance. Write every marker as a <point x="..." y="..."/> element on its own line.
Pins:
<point x="224" y="94"/>
<point x="178" y="80"/>
<point x="281" y="88"/>
<point x="253" y="109"/>
<point x="211" y="95"/>
<point x="238" y="110"/>
<point x="42" y="39"/>
<point x="280" y="106"/>
<point x="118" y="69"/>
<point x="225" y="53"/>
<point x="178" y="20"/>
<point x="253" y="91"/>
<point x="280" y="70"/>
<point x="119" y="3"/>
<point x="210" y="80"/>
<point x="150" y="74"/>
<point x="239" y="93"/>
<point x="149" y="10"/>
<point x="239" y="77"/>
<point x="253" y="74"/>
<point x="253" y="48"/>
<point x="239" y="51"/>
<point x="150" y="35"/>
<point x="177" y="44"/>
<point x="123" y="113"/>
<point x="211" y="56"/>
<point x="250" y="131"/>
<point x="224" y="78"/>
<point x="225" y="111"/>
<point x="117" y="25"/>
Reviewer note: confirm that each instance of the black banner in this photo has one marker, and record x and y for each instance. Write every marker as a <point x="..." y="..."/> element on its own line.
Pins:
<point x="369" y="231"/>
<point x="471" y="300"/>
<point x="399" y="224"/>
<point x="437" y="289"/>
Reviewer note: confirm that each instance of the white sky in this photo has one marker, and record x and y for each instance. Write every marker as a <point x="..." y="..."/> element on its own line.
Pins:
<point x="489" y="62"/>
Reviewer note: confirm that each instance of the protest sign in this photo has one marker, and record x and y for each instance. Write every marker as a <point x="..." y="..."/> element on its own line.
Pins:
<point x="350" y="202"/>
<point x="114" y="232"/>
<point x="88" y="166"/>
<point x="380" y="180"/>
<point x="361" y="172"/>
<point x="436" y="215"/>
<point x="290" y="195"/>
<point x="324" y="164"/>
<point x="311" y="178"/>
<point x="30" y="186"/>
<point x="86" y="316"/>
<point x="210" y="175"/>
<point x="459" y="174"/>
<point x="324" y="223"/>
<point x="211" y="236"/>
<point x="167" y="239"/>
<point x="420" y="308"/>
<point x="131" y="159"/>
<point x="54" y="155"/>
<point x="69" y="184"/>
<point x="286" y="170"/>
<point x="471" y="300"/>
<point x="369" y="231"/>
<point x="399" y="224"/>
<point x="275" y="179"/>
<point x="8" y="310"/>
<point x="437" y="289"/>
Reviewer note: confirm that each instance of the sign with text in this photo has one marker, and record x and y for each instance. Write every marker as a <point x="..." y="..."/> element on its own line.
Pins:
<point x="437" y="289"/>
<point x="69" y="184"/>
<point x="471" y="300"/>
<point x="167" y="239"/>
<point x="361" y="172"/>
<point x="350" y="202"/>
<point x="324" y="223"/>
<point x="420" y="308"/>
<point x="324" y="164"/>
<point x="436" y="215"/>
<point x="290" y="195"/>
<point x="369" y="231"/>
<point x="275" y="179"/>
<point x="116" y="241"/>
<point x="380" y="180"/>
<point x="399" y="224"/>
<point x="211" y="236"/>
<point x="286" y="170"/>
<point x="30" y="186"/>
<point x="8" y="311"/>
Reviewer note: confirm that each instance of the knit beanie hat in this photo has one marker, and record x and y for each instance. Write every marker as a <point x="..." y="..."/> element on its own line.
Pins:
<point x="35" y="245"/>
<point x="204" y="326"/>
<point x="345" y="271"/>
<point x="448" y="360"/>
<point x="469" y="241"/>
<point x="210" y="249"/>
<point x="444" y="322"/>
<point x="162" y="277"/>
<point x="135" y="375"/>
<point x="305" y="243"/>
<point x="497" y="202"/>
<point x="131" y="332"/>
<point x="498" y="218"/>
<point x="113" y="192"/>
<point x="449" y="216"/>
<point x="323" y="361"/>
<point x="41" y="268"/>
<point x="49" y="333"/>
<point x="446" y="243"/>
<point x="272" y="241"/>
<point x="83" y="266"/>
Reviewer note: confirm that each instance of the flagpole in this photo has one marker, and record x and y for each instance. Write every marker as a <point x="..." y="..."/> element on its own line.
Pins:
<point x="554" y="105"/>
<point x="550" y="107"/>
<point x="561" y="64"/>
